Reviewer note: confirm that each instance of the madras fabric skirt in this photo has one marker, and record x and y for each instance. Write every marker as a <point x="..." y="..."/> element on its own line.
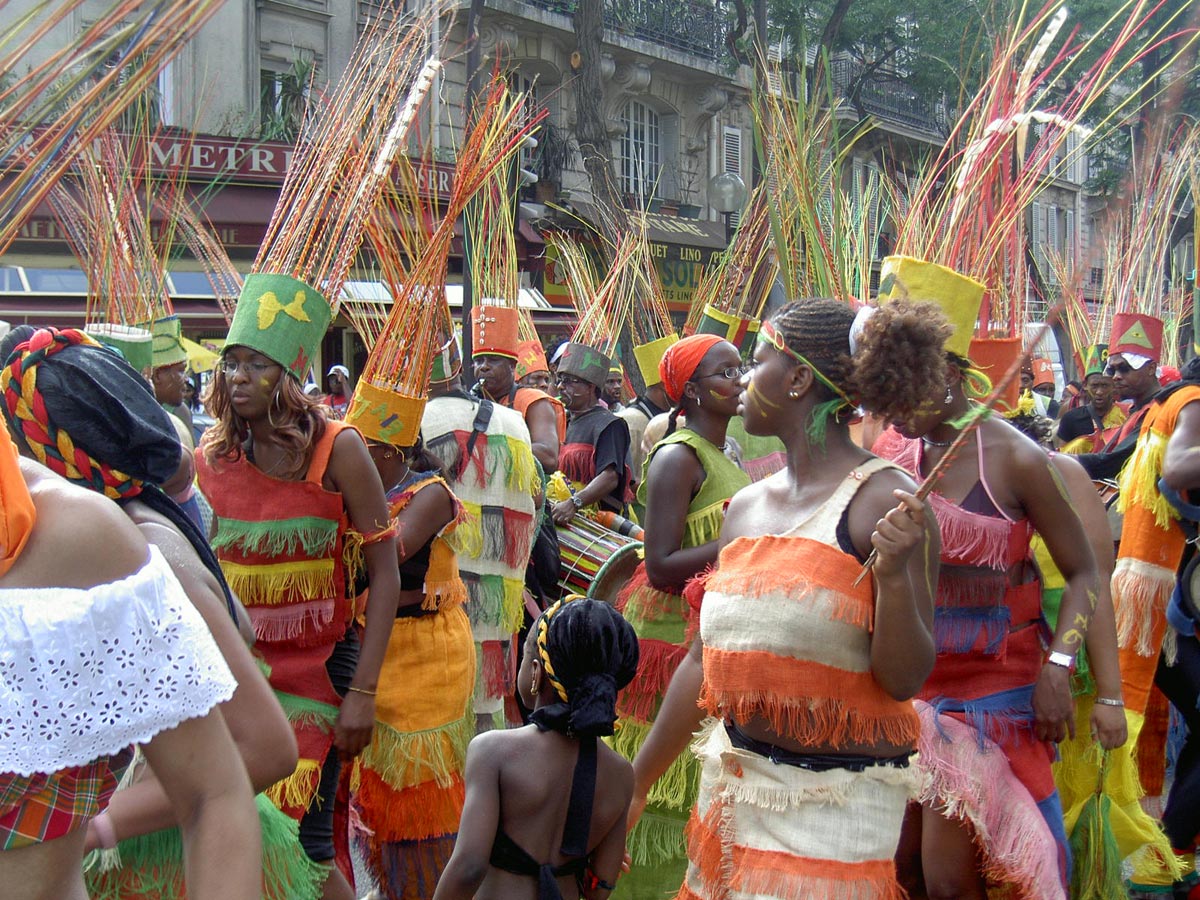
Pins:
<point x="767" y="830"/>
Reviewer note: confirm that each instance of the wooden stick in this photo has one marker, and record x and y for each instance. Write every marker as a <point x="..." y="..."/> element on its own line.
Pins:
<point x="926" y="487"/>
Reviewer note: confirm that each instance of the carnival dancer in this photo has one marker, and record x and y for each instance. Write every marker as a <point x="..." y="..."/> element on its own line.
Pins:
<point x="532" y="370"/>
<point x="1148" y="559"/>
<point x="337" y="401"/>
<point x="688" y="481"/>
<point x="523" y="836"/>
<point x="485" y="451"/>
<point x="495" y="347"/>
<point x="168" y="376"/>
<point x="995" y="705"/>
<point x="296" y="499"/>
<point x="595" y="457"/>
<point x="103" y="650"/>
<point x="409" y="791"/>
<point x="288" y="487"/>
<point x="1091" y="425"/>
<point x="1133" y="354"/>
<point x="613" y="385"/>
<point x="805" y="769"/>
<point x="61" y="388"/>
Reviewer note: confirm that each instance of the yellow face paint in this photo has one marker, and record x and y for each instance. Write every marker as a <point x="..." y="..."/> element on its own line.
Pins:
<point x="264" y="384"/>
<point x="759" y="398"/>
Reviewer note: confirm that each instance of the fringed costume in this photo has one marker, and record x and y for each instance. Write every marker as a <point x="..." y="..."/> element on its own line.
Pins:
<point x="787" y="639"/>
<point x="665" y="625"/>
<point x="409" y="793"/>
<point x="280" y="544"/>
<point x="1152" y="545"/>
<point x="597" y="439"/>
<point x="494" y="475"/>
<point x="980" y="759"/>
<point x="1077" y="771"/>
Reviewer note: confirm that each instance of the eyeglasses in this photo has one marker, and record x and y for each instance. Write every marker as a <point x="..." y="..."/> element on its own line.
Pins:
<point x="252" y="367"/>
<point x="732" y="373"/>
<point x="570" y="381"/>
<point x="1119" y="369"/>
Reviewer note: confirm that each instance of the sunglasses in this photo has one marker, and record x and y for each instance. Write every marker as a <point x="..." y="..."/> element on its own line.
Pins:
<point x="1119" y="369"/>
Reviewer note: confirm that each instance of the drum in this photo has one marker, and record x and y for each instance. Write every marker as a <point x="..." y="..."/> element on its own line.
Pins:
<point x="1110" y="492"/>
<point x="595" y="561"/>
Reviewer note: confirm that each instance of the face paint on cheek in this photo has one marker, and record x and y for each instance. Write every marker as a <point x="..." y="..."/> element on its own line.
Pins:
<point x="264" y="384"/>
<point x="759" y="398"/>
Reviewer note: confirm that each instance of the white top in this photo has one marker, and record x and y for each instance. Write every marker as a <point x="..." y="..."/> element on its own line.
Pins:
<point x="85" y="673"/>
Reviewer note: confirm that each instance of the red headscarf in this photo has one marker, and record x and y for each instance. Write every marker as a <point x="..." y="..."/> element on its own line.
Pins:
<point x="679" y="363"/>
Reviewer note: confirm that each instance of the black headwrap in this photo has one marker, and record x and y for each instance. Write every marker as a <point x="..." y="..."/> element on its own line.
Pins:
<point x="63" y="383"/>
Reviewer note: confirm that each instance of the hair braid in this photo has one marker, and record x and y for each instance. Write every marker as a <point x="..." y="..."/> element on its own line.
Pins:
<point x="25" y="410"/>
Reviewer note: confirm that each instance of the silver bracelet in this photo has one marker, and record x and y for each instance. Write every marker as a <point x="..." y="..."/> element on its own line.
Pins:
<point x="1109" y="701"/>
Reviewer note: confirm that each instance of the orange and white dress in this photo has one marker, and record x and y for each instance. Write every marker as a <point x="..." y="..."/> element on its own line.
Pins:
<point x="787" y="637"/>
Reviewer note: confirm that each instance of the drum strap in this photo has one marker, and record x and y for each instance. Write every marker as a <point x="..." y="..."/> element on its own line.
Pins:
<point x="483" y="417"/>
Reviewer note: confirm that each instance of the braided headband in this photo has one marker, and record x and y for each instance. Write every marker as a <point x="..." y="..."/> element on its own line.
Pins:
<point x="770" y="335"/>
<point x="25" y="408"/>
<point x="543" y="635"/>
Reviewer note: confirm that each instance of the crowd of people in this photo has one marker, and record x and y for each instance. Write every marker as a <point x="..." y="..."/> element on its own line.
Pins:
<point x="851" y="737"/>
<point x="885" y="633"/>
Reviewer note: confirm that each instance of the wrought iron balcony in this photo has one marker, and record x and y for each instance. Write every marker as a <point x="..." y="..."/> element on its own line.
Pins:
<point x="888" y="99"/>
<point x="692" y="26"/>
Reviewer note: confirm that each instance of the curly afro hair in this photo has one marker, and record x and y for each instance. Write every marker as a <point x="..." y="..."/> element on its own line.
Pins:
<point x="900" y="361"/>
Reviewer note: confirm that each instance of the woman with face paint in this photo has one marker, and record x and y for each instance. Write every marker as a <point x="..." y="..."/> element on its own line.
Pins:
<point x="805" y="764"/>
<point x="996" y="703"/>
<point x="297" y="502"/>
<point x="686" y="484"/>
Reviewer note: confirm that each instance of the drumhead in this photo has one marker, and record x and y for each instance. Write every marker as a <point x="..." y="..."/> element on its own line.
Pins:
<point x="1190" y="588"/>
<point x="615" y="573"/>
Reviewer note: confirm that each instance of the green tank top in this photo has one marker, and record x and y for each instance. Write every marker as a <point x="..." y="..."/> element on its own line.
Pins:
<point x="722" y="479"/>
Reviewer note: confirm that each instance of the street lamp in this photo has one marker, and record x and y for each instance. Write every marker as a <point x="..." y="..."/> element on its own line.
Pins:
<point x="727" y="195"/>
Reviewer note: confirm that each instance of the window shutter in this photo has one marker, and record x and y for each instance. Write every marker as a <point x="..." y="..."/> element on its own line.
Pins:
<point x="1039" y="239"/>
<point x="731" y="159"/>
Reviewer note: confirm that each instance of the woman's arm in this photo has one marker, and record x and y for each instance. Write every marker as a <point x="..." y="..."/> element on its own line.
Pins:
<point x="355" y="477"/>
<point x="264" y="739"/>
<point x="678" y="718"/>
<point x="199" y="769"/>
<point x="426" y="515"/>
<point x="672" y="479"/>
<point x="469" y="863"/>
<point x="1043" y="494"/>
<point x="902" y="529"/>
<point x="1108" y="722"/>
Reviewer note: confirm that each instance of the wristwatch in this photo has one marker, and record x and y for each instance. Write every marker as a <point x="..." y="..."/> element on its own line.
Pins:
<point x="577" y="501"/>
<point x="1066" y="660"/>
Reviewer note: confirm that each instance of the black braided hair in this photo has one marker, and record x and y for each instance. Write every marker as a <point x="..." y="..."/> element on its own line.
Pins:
<point x="818" y="328"/>
<point x="593" y="653"/>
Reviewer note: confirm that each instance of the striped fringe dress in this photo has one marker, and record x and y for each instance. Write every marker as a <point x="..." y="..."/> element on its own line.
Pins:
<point x="408" y="783"/>
<point x="787" y="639"/>
<point x="980" y="759"/>
<point x="495" y="477"/>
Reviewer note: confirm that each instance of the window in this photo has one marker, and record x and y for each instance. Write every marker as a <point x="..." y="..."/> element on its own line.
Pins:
<point x="641" y="149"/>
<point x="731" y="160"/>
<point x="522" y="84"/>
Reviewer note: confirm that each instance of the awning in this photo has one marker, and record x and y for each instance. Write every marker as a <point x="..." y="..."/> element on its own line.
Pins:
<point x="672" y="237"/>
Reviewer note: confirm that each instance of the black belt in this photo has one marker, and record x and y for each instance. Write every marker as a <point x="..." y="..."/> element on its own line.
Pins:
<point x="813" y="762"/>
